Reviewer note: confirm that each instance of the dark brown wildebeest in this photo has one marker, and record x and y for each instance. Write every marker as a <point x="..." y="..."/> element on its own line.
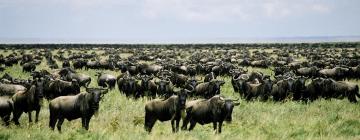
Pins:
<point x="56" y="88"/>
<point x="164" y="110"/>
<point x="29" y="67"/>
<point x="28" y="101"/>
<point x="147" y="86"/>
<point x="165" y="88"/>
<point x="83" y="105"/>
<point x="6" y="107"/>
<point x="208" y="89"/>
<point x="69" y="74"/>
<point x="214" y="110"/>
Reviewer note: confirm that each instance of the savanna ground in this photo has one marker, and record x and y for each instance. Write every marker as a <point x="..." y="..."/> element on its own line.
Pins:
<point x="122" y="118"/>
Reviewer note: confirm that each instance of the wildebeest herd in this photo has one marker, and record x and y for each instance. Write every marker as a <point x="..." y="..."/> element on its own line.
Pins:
<point x="180" y="82"/>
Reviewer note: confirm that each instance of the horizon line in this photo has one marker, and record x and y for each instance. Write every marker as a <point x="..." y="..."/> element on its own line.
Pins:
<point x="219" y="40"/>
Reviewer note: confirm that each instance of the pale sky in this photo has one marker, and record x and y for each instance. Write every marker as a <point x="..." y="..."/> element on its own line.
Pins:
<point x="175" y="20"/>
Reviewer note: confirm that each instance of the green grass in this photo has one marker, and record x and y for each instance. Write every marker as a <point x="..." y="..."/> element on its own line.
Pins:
<point x="122" y="118"/>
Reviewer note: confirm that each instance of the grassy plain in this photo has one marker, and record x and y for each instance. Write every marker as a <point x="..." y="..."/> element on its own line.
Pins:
<point x="122" y="118"/>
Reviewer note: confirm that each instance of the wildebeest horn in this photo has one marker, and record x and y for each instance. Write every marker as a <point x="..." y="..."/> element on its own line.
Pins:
<point x="235" y="99"/>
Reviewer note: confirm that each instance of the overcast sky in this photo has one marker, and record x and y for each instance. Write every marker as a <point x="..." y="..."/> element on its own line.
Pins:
<point x="174" y="20"/>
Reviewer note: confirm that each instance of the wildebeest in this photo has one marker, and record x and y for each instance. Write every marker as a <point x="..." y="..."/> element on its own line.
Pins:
<point x="57" y="87"/>
<point x="261" y="89"/>
<point x="82" y="105"/>
<point x="11" y="89"/>
<point x="308" y="71"/>
<point x="210" y="76"/>
<point x="341" y="89"/>
<point x="106" y="80"/>
<point x="66" y="64"/>
<point x="208" y="89"/>
<point x="214" y="110"/>
<point x="282" y="89"/>
<point x="29" y="67"/>
<point x="336" y="73"/>
<point x="147" y="87"/>
<point x="164" y="110"/>
<point x="6" y="108"/>
<point x="29" y="101"/>
<point x="69" y="74"/>
<point x="164" y="87"/>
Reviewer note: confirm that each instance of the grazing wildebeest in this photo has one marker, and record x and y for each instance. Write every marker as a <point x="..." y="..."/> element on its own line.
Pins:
<point x="214" y="110"/>
<point x="29" y="101"/>
<point x="83" y="105"/>
<point x="106" y="80"/>
<point x="164" y="110"/>
<point x="29" y="67"/>
<point x="70" y="74"/>
<point x="6" y="108"/>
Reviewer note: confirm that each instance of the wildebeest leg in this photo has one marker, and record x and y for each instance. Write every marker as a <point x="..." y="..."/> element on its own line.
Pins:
<point x="37" y="115"/>
<point x="52" y="122"/>
<point x="351" y="98"/>
<point x="61" y="120"/>
<point x="220" y="125"/>
<point x="215" y="125"/>
<point x="16" y="116"/>
<point x="29" y="114"/>
<point x="185" y="122"/>
<point x="177" y="124"/>
<point x="87" y="123"/>
<point x="6" y="119"/>
<point x="192" y="125"/>
<point x="149" y="122"/>
<point x="173" y="125"/>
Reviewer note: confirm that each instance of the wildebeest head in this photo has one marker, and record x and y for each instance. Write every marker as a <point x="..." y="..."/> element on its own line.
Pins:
<point x="96" y="95"/>
<point x="227" y="108"/>
<point x="162" y="84"/>
<point x="215" y="85"/>
<point x="39" y="90"/>
<point x="299" y="83"/>
<point x="131" y="82"/>
<point x="182" y="95"/>
<point x="145" y="80"/>
<point x="193" y="82"/>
